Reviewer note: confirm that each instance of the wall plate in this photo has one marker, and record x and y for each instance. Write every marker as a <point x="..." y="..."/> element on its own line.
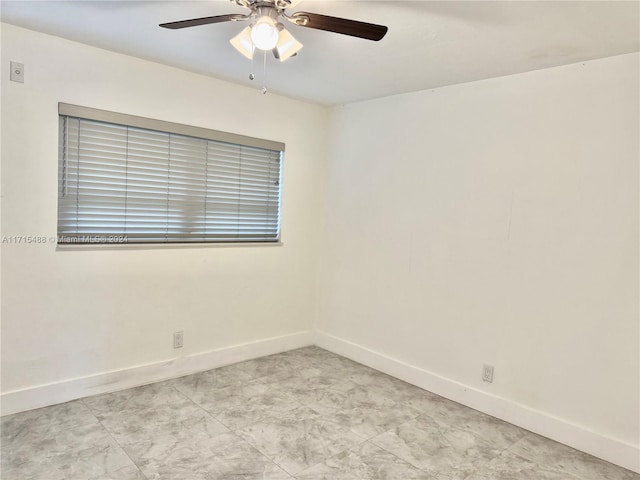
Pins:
<point x="17" y="72"/>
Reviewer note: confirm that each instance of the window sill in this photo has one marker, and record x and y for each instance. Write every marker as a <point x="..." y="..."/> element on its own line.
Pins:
<point x="160" y="246"/>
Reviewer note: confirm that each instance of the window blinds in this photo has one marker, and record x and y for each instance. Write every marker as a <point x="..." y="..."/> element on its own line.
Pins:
<point x="126" y="184"/>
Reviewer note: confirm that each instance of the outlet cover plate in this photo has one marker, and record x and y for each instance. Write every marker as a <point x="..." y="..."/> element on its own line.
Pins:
<point x="178" y="339"/>
<point x="487" y="373"/>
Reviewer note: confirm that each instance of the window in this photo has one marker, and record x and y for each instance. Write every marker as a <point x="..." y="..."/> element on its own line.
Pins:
<point x="125" y="179"/>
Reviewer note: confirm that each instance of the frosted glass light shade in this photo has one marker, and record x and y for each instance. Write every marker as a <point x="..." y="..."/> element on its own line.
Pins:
<point x="287" y="45"/>
<point x="242" y="42"/>
<point x="265" y="34"/>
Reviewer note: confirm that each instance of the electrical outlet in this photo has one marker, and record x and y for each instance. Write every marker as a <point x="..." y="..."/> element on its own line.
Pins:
<point x="17" y="72"/>
<point x="487" y="373"/>
<point x="178" y="339"/>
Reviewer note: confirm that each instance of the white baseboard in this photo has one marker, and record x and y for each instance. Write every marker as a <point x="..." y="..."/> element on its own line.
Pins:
<point x="576" y="436"/>
<point x="44" y="395"/>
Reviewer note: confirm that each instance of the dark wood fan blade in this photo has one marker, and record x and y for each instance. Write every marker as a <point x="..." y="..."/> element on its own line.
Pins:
<point x="354" y="28"/>
<point x="194" y="22"/>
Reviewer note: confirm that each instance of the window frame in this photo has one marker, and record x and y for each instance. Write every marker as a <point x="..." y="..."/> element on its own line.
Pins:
<point x="165" y="127"/>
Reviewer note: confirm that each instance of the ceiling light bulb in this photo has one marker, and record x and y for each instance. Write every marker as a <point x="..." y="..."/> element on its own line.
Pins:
<point x="264" y="34"/>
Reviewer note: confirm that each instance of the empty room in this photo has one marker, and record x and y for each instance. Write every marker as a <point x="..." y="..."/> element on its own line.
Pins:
<point x="320" y="239"/>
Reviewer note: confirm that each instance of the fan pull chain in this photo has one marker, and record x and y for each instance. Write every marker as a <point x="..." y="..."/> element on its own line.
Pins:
<point x="264" y="73"/>
<point x="251" y="75"/>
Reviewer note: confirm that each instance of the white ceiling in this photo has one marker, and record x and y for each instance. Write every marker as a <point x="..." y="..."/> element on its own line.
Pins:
<point x="429" y="44"/>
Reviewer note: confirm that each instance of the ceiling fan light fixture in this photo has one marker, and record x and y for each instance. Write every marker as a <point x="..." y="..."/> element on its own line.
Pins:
<point x="264" y="33"/>
<point x="287" y="45"/>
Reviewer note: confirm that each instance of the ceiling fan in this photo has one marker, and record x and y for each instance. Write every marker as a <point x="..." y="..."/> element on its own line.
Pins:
<point x="267" y="33"/>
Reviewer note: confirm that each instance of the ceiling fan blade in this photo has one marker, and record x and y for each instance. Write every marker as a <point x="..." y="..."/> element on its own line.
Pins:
<point x="368" y="31"/>
<point x="194" y="22"/>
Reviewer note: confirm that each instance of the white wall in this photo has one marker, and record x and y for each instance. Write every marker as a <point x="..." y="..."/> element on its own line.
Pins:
<point x="495" y="222"/>
<point x="68" y="314"/>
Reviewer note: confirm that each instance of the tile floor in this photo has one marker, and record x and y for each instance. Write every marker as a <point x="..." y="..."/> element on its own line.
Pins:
<point x="306" y="414"/>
